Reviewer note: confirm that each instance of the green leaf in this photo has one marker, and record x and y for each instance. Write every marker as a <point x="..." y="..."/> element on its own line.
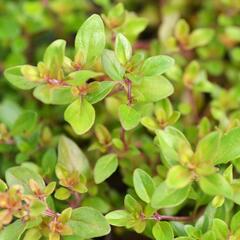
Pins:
<point x="80" y="77"/>
<point x="3" y="186"/>
<point x="53" y="57"/>
<point x="209" y="235"/>
<point x="169" y="141"/>
<point x="143" y="185"/>
<point x="182" y="30"/>
<point x="229" y="147"/>
<point x="200" y="37"/>
<point x="156" y="65"/>
<point x="216" y="184"/>
<point x="37" y="207"/>
<point x="149" y="123"/>
<point x="118" y="218"/>
<point x="220" y="228"/>
<point x="163" y="230"/>
<point x="98" y="203"/>
<point x="88" y="223"/>
<point x="15" y="77"/>
<point x="71" y="157"/>
<point x="49" y="161"/>
<point x="49" y="189"/>
<point x="80" y="115"/>
<point x="235" y="222"/>
<point x="123" y="49"/>
<point x="232" y="32"/>
<point x="178" y="177"/>
<point x="192" y="231"/>
<point x="128" y="116"/>
<point x="101" y="92"/>
<point x="165" y="197"/>
<point x="33" y="233"/>
<point x="48" y="94"/>
<point x="105" y="167"/>
<point x="131" y="204"/>
<point x="208" y="147"/>
<point x="152" y="89"/>
<point x="133" y="26"/>
<point x="25" y="122"/>
<point x="184" y="238"/>
<point x="21" y="176"/>
<point x="13" y="231"/>
<point x="112" y="66"/>
<point x="90" y="40"/>
<point x="62" y="193"/>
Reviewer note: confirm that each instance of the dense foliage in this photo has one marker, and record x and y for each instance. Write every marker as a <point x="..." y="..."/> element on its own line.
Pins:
<point x="121" y="121"/>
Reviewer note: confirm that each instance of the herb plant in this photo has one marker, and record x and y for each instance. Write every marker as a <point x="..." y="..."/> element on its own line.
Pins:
<point x="111" y="134"/>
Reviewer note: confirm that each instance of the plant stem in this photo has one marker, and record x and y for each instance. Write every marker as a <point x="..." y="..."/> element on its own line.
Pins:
<point x="129" y="93"/>
<point x="123" y="138"/>
<point x="158" y="217"/>
<point x="50" y="213"/>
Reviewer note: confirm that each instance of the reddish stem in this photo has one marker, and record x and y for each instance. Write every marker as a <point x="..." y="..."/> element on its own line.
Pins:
<point x="123" y="138"/>
<point x="50" y="213"/>
<point x="158" y="217"/>
<point x="129" y="91"/>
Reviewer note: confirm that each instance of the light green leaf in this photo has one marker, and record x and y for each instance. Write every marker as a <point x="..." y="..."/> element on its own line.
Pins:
<point x="62" y="193"/>
<point x="13" y="231"/>
<point x="131" y="204"/>
<point x="123" y="49"/>
<point x="229" y="147"/>
<point x="105" y="167"/>
<point x="162" y="230"/>
<point x="80" y="115"/>
<point x="112" y="66"/>
<point x="21" y="176"/>
<point x="37" y="207"/>
<point x="233" y="32"/>
<point x="220" y="228"/>
<point x="209" y="235"/>
<point x="165" y="197"/>
<point x="3" y="186"/>
<point x="182" y="30"/>
<point x="71" y="157"/>
<point x="152" y="89"/>
<point x="157" y="65"/>
<point x="101" y="92"/>
<point x="48" y="94"/>
<point x="216" y="184"/>
<point x="200" y="37"/>
<point x="48" y="162"/>
<point x="118" y="218"/>
<point x="133" y="26"/>
<point x="25" y="122"/>
<point x="16" y="78"/>
<point x="54" y="56"/>
<point x="90" y="40"/>
<point x="33" y="233"/>
<point x="208" y="147"/>
<point x="98" y="203"/>
<point x="192" y="231"/>
<point x="128" y="116"/>
<point x="178" y="177"/>
<point x="235" y="222"/>
<point x="169" y="141"/>
<point x="143" y="185"/>
<point x="80" y="77"/>
<point x="88" y="223"/>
